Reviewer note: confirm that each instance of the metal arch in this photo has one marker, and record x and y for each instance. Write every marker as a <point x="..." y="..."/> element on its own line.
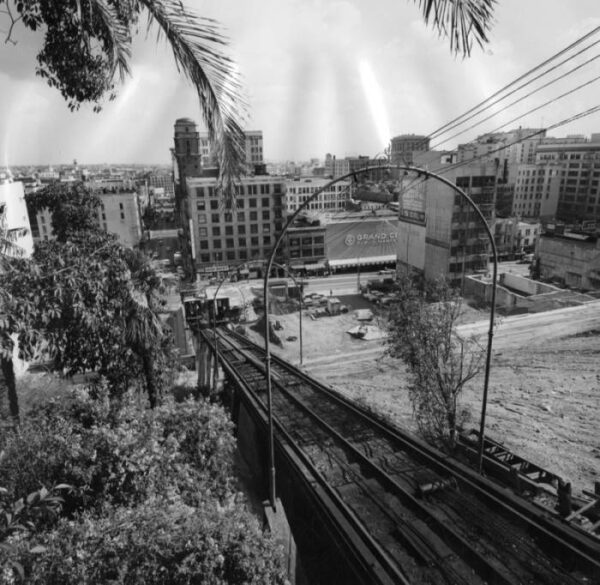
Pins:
<point x="291" y="218"/>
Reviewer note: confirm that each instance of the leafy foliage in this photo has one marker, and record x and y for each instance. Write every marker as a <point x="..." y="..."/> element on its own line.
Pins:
<point x="85" y="301"/>
<point x="151" y="498"/>
<point x="156" y="543"/>
<point x="422" y="333"/>
<point x="87" y="46"/>
<point x="120" y="455"/>
<point x="72" y="207"/>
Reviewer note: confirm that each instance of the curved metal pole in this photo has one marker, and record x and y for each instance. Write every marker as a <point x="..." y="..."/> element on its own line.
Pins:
<point x="290" y="220"/>
<point x="301" y="289"/>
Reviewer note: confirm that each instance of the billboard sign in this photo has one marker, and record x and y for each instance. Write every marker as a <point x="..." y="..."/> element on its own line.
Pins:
<point x="361" y="239"/>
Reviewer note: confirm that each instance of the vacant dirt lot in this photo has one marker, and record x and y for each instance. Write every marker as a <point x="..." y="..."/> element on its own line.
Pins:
<point x="544" y="397"/>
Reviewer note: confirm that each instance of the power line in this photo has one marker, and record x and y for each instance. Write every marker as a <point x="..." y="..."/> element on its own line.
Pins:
<point x="563" y="95"/>
<point x="520" y="78"/>
<point x="552" y="81"/>
<point x="417" y="181"/>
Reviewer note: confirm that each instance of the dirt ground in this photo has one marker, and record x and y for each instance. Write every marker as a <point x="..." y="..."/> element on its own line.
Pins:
<point x="543" y="400"/>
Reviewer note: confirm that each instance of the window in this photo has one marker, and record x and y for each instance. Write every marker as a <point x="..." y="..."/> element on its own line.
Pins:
<point x="230" y="255"/>
<point x="217" y="244"/>
<point x="241" y="216"/>
<point x="218" y="256"/>
<point x="243" y="255"/>
<point x="204" y="258"/>
<point x="121" y="206"/>
<point x="264" y="202"/>
<point x="122" y="215"/>
<point x="266" y="214"/>
<point x="229" y="243"/>
<point x="204" y="244"/>
<point x="241" y="229"/>
<point x="216" y="231"/>
<point x="214" y="204"/>
<point x="201" y="205"/>
<point x="229" y="230"/>
<point x="264" y="189"/>
<point x="266" y="229"/>
<point x="242" y="242"/>
<point x="254" y="228"/>
<point x="254" y="241"/>
<point x="202" y="218"/>
<point x="267" y="240"/>
<point x="215" y="217"/>
<point x="252" y="202"/>
<point x="228" y="217"/>
<point x="253" y="215"/>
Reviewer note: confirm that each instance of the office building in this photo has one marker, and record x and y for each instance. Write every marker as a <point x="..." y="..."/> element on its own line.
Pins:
<point x="222" y="239"/>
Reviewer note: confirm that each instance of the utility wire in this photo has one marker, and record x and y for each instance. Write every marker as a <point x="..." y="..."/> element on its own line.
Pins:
<point x="519" y="79"/>
<point x="552" y="81"/>
<point x="417" y="181"/>
<point x="563" y="95"/>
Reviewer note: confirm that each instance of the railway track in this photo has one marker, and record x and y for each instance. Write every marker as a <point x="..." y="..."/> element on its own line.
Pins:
<point x="417" y="515"/>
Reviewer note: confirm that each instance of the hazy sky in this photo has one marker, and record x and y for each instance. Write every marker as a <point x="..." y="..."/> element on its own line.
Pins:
<point x="339" y="76"/>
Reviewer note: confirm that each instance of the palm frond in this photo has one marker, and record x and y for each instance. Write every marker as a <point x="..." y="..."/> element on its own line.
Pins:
<point x="462" y="21"/>
<point x="119" y="39"/>
<point x="197" y="46"/>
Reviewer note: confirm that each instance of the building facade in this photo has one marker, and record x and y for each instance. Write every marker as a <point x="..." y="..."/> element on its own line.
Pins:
<point x="223" y="239"/>
<point x="571" y="259"/>
<point x="333" y="199"/>
<point x="402" y="148"/>
<point x="439" y="234"/>
<point x="14" y="217"/>
<point x="118" y="214"/>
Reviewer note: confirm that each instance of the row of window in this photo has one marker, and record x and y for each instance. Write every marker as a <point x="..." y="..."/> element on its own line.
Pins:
<point x="259" y="189"/>
<point x="228" y="231"/>
<point x="230" y="243"/>
<point x="240" y="216"/>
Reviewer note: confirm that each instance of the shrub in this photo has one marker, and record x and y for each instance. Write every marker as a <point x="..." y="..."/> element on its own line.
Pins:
<point x="120" y="456"/>
<point x="153" y="544"/>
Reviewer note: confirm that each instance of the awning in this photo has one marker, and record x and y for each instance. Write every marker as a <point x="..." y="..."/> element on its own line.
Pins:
<point x="340" y="262"/>
<point x="317" y="266"/>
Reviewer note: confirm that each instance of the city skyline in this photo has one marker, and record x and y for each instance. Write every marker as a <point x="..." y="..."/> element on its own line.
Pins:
<point x="341" y="77"/>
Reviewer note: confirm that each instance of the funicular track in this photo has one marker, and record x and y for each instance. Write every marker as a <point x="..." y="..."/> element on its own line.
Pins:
<point x="418" y="516"/>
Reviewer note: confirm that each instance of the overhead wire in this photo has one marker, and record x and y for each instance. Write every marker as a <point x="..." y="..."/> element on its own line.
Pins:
<point x="453" y="123"/>
<point x="555" y="80"/>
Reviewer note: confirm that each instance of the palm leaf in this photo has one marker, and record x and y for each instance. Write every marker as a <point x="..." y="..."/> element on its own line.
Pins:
<point x="119" y="39"/>
<point x="196" y="43"/>
<point x="462" y="21"/>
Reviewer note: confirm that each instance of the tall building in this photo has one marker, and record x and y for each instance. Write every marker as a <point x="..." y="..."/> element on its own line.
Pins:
<point x="402" y="148"/>
<point x="253" y="150"/>
<point x="577" y="166"/>
<point x="439" y="234"/>
<point x="513" y="146"/>
<point x="187" y="148"/>
<point x="222" y="239"/>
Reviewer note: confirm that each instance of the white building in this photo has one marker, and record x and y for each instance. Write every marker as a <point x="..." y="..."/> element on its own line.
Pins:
<point x="13" y="215"/>
<point x="332" y="199"/>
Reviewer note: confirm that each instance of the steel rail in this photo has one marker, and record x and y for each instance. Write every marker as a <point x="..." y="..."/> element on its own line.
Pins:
<point x="561" y="536"/>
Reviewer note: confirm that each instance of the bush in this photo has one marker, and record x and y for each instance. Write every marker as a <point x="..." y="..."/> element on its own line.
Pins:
<point x="152" y="544"/>
<point x="120" y="456"/>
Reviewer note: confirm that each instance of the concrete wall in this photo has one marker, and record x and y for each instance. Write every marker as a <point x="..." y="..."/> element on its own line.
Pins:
<point x="524" y="285"/>
<point x="576" y="263"/>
